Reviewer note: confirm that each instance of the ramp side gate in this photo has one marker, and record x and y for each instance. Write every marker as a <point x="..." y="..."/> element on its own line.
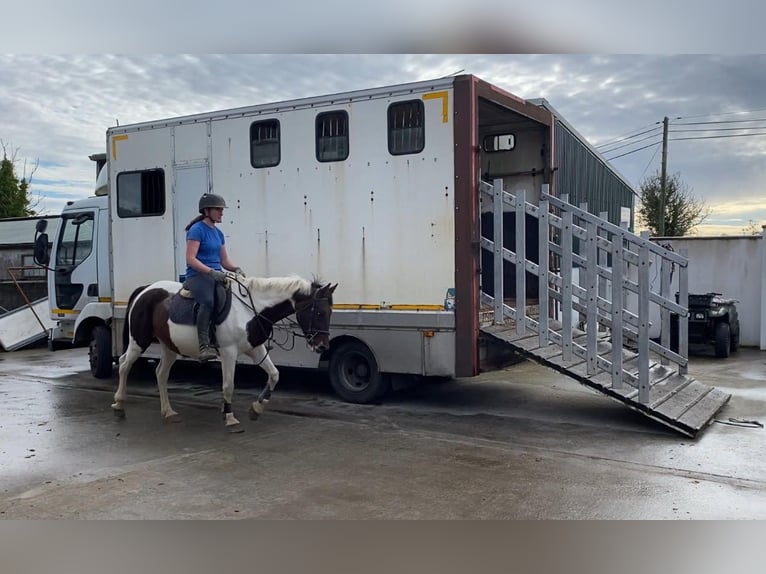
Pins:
<point x="605" y="282"/>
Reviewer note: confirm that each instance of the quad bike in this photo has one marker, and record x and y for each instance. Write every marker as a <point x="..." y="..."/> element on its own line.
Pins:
<point x="713" y="320"/>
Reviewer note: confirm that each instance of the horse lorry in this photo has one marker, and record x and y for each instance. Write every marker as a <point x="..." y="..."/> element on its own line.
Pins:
<point x="377" y="190"/>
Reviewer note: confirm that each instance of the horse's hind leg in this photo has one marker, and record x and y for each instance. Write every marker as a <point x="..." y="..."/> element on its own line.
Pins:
<point x="127" y="359"/>
<point x="167" y="358"/>
<point x="228" y="366"/>
<point x="261" y="357"/>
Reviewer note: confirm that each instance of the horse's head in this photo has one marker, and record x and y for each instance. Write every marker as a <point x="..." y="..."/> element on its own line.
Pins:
<point x="313" y="313"/>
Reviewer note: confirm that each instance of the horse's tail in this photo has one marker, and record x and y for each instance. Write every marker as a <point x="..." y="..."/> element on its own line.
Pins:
<point x="126" y="325"/>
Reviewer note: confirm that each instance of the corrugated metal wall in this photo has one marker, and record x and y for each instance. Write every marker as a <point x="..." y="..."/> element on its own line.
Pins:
<point x="583" y="175"/>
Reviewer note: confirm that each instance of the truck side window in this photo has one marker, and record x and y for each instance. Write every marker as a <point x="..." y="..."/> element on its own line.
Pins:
<point x="141" y="193"/>
<point x="264" y="143"/>
<point x="332" y="136"/>
<point x="406" y="127"/>
<point x="75" y="240"/>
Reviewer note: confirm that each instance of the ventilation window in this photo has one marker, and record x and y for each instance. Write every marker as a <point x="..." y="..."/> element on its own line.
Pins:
<point x="141" y="193"/>
<point x="332" y="136"/>
<point x="264" y="143"/>
<point x="406" y="127"/>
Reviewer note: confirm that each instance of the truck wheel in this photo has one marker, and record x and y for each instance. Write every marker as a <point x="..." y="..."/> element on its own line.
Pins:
<point x="100" y="352"/>
<point x="722" y="340"/>
<point x="354" y="374"/>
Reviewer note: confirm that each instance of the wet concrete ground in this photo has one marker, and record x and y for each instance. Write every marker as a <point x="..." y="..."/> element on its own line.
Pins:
<point x="522" y="443"/>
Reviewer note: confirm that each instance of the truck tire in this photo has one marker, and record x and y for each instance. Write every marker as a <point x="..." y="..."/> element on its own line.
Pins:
<point x="722" y="340"/>
<point x="100" y="352"/>
<point x="354" y="374"/>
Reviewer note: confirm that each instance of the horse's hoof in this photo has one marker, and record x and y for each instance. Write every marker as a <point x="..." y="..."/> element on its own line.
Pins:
<point x="235" y="428"/>
<point x="172" y="418"/>
<point x="119" y="413"/>
<point x="256" y="410"/>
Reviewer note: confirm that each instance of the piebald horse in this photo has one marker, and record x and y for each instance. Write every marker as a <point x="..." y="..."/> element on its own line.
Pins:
<point x="245" y="329"/>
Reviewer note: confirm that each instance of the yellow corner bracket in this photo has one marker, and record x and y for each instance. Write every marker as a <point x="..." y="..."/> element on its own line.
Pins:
<point x="444" y="97"/>
<point x="116" y="139"/>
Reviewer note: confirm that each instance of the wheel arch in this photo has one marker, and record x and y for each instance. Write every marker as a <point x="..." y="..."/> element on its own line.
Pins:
<point x="341" y="340"/>
<point x="84" y="330"/>
<point x="92" y="314"/>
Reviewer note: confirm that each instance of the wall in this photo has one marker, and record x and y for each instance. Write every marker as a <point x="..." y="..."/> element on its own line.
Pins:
<point x="733" y="266"/>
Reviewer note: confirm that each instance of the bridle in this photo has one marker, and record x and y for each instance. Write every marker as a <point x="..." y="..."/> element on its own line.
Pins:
<point x="312" y="333"/>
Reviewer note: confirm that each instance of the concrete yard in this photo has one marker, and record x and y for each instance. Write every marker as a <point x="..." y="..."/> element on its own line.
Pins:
<point x="523" y="443"/>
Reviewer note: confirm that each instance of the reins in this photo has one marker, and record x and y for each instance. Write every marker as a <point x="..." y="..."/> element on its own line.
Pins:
<point x="290" y="322"/>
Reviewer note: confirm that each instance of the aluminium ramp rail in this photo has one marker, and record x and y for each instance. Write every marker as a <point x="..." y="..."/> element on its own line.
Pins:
<point x="591" y="320"/>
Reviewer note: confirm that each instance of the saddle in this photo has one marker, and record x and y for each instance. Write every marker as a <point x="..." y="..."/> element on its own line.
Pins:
<point x="183" y="307"/>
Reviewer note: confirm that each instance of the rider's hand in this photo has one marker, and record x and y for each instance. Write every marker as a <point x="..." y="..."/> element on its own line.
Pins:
<point x="239" y="272"/>
<point x="219" y="276"/>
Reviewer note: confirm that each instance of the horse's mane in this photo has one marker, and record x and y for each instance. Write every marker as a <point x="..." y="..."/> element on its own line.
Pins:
<point x="270" y="290"/>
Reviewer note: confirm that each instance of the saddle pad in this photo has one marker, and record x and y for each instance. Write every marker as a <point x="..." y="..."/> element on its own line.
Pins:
<point x="183" y="311"/>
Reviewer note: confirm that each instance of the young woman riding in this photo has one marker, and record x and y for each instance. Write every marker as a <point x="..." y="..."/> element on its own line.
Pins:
<point x="205" y="258"/>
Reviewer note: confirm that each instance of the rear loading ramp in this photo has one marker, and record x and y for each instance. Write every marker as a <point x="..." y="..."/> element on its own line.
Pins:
<point x="588" y="316"/>
<point x="678" y="401"/>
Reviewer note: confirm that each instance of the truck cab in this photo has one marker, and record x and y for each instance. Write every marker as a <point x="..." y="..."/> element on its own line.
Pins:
<point x="79" y="283"/>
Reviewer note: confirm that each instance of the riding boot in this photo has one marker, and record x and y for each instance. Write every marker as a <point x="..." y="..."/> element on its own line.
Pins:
<point x="206" y="352"/>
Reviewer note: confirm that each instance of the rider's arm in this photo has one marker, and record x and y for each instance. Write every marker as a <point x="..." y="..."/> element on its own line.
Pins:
<point x="226" y="263"/>
<point x="192" y="247"/>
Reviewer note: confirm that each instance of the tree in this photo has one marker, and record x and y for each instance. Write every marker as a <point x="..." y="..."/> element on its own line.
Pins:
<point x="683" y="211"/>
<point x="14" y="192"/>
<point x="752" y="228"/>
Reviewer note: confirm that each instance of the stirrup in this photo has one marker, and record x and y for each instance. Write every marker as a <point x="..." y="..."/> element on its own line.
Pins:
<point x="207" y="353"/>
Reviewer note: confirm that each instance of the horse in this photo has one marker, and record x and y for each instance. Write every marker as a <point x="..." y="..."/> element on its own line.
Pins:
<point x="261" y="302"/>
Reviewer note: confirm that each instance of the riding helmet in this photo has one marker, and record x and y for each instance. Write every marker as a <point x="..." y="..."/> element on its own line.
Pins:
<point x="210" y="200"/>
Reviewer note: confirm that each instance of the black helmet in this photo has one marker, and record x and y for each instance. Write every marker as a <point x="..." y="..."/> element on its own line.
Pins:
<point x="210" y="200"/>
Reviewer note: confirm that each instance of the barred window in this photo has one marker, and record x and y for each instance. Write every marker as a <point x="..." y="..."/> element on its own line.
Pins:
<point x="264" y="143"/>
<point x="332" y="136"/>
<point x="141" y="193"/>
<point x="406" y="127"/>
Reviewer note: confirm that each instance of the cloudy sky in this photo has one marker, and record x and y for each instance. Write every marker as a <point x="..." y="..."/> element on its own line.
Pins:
<point x="56" y="109"/>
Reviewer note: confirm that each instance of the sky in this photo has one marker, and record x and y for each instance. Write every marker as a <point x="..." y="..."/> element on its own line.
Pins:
<point x="55" y="109"/>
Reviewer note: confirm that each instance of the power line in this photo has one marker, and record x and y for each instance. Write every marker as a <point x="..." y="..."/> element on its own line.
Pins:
<point x="621" y="139"/>
<point x="632" y="151"/>
<point x="723" y="114"/>
<point x="721" y="136"/>
<point x="719" y="129"/>
<point x="719" y="122"/>
<point x="650" y="160"/>
<point x="629" y="144"/>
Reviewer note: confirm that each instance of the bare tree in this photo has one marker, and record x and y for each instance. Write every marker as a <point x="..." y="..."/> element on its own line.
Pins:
<point x="682" y="213"/>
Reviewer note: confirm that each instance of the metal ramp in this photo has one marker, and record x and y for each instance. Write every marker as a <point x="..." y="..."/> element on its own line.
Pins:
<point x="590" y="319"/>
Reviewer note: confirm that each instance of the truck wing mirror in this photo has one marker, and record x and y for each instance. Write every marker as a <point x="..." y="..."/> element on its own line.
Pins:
<point x="41" y="252"/>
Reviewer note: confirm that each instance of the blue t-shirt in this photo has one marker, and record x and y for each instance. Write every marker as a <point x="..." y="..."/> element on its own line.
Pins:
<point x="210" y="242"/>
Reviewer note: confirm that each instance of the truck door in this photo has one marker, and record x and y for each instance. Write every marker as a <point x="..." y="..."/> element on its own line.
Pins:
<point x="75" y="266"/>
<point x="190" y="184"/>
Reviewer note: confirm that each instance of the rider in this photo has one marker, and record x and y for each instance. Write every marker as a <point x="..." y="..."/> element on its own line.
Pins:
<point x="205" y="258"/>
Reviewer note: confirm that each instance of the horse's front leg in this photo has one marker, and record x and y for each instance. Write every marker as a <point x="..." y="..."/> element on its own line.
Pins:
<point x="131" y="355"/>
<point x="261" y="357"/>
<point x="228" y="365"/>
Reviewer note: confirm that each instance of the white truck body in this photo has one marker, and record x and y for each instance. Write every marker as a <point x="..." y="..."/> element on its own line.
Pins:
<point x="375" y="190"/>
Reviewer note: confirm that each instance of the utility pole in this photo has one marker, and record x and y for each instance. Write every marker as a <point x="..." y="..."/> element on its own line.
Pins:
<point x="663" y="175"/>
